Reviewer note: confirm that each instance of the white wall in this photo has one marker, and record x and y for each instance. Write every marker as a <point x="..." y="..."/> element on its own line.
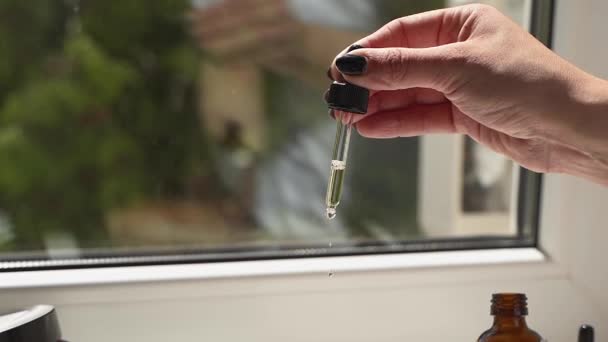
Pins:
<point x="580" y="37"/>
<point x="434" y="304"/>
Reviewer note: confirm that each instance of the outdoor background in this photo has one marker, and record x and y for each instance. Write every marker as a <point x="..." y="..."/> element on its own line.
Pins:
<point x="170" y="124"/>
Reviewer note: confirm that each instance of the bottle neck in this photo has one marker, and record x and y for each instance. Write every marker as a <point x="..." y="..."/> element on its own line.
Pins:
<point x="510" y="322"/>
<point x="509" y="310"/>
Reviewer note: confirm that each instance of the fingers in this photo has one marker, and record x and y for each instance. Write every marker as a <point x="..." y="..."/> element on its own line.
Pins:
<point x="422" y="30"/>
<point x="333" y="73"/>
<point x="385" y="101"/>
<point x="437" y="68"/>
<point x="412" y="121"/>
<point x="422" y="47"/>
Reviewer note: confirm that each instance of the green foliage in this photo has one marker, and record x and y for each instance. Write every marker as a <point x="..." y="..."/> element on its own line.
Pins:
<point x="28" y="31"/>
<point x="97" y="111"/>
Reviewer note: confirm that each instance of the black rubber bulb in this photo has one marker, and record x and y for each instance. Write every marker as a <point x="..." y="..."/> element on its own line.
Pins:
<point x="586" y="334"/>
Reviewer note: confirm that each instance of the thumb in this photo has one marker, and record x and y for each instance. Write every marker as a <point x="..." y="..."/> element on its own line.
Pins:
<point x="401" y="68"/>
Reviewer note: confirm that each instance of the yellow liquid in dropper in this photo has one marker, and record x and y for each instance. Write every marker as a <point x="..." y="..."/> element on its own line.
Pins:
<point x="338" y="163"/>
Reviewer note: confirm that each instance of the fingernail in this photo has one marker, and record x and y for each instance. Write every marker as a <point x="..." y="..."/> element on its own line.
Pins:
<point x="329" y="74"/>
<point x="331" y="114"/>
<point x="351" y="64"/>
<point x="354" y="47"/>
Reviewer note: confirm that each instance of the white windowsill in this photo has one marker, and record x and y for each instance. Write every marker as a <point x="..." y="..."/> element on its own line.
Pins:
<point x="326" y="265"/>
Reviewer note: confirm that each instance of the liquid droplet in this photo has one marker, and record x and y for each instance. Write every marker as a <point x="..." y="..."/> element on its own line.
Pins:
<point x="330" y="274"/>
<point x="331" y="213"/>
<point x="330" y="244"/>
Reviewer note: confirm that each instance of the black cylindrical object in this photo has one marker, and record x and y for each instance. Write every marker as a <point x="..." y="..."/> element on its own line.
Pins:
<point x="37" y="324"/>
<point x="586" y="333"/>
<point x="348" y="97"/>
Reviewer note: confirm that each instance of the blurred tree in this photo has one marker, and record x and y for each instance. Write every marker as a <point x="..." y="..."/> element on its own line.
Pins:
<point x="97" y="110"/>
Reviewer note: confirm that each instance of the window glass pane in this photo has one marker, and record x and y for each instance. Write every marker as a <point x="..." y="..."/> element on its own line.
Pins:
<point x="178" y="126"/>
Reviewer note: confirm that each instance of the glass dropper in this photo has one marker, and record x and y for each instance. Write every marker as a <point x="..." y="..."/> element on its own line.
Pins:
<point x="346" y="100"/>
<point x="338" y="162"/>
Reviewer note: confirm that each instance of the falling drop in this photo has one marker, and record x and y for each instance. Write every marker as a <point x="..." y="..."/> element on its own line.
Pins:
<point x="330" y="244"/>
<point x="330" y="274"/>
<point x="331" y="213"/>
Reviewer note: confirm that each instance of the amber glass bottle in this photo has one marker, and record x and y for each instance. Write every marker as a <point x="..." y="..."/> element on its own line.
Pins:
<point x="509" y="311"/>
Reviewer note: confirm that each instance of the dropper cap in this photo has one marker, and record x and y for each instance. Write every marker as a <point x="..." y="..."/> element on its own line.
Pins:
<point x="348" y="97"/>
<point x="586" y="333"/>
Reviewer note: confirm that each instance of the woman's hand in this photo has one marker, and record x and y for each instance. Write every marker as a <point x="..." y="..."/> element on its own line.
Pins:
<point x="471" y="70"/>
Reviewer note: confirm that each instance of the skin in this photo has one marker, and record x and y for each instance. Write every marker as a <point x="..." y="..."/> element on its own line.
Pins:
<point x="471" y="70"/>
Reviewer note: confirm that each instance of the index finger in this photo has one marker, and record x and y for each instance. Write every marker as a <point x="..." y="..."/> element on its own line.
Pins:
<point x="422" y="30"/>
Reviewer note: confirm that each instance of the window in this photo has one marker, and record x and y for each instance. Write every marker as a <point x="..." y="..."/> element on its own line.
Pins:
<point x="138" y="132"/>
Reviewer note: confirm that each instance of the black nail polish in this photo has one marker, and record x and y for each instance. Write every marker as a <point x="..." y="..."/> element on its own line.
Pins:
<point x="329" y="74"/>
<point x="354" y="47"/>
<point x="351" y="64"/>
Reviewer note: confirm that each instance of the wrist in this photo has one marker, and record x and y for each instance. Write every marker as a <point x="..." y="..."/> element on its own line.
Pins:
<point x="586" y="125"/>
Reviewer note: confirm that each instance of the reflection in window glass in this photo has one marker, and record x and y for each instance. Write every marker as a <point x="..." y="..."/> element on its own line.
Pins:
<point x="169" y="125"/>
<point x="486" y="180"/>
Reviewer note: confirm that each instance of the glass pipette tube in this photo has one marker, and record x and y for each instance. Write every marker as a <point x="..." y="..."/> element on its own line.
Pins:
<point x="338" y="162"/>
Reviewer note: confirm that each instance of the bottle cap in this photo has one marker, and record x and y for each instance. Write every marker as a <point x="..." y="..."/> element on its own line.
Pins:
<point x="348" y="98"/>
<point x="586" y="333"/>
